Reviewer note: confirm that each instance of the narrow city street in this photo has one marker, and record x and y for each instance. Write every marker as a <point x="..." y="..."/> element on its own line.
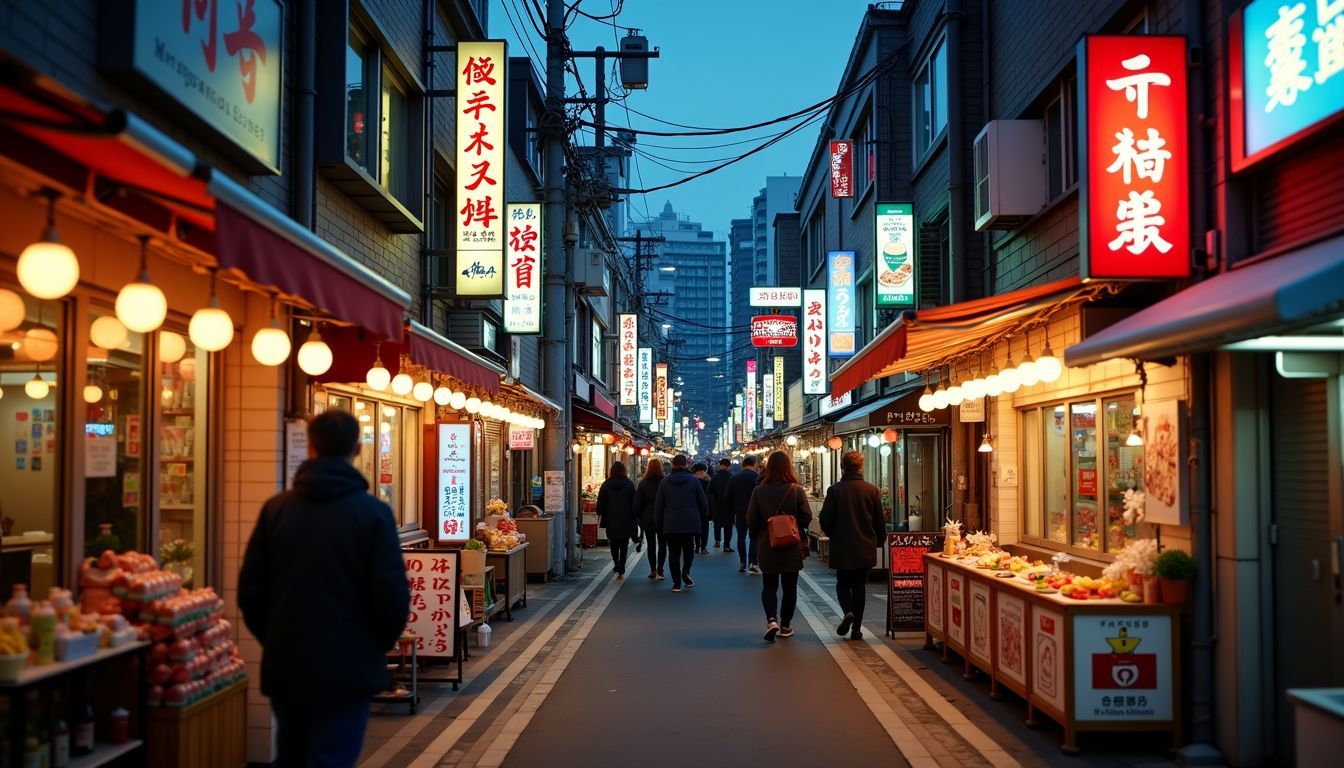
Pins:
<point x="600" y="672"/>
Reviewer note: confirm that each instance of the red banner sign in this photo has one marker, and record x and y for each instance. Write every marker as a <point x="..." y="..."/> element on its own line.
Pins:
<point x="1136" y="191"/>
<point x="774" y="331"/>
<point x="842" y="168"/>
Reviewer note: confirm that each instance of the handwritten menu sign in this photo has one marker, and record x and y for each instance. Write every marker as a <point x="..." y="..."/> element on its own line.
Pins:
<point x="451" y="466"/>
<point x="905" y="585"/>
<point x="433" y="576"/>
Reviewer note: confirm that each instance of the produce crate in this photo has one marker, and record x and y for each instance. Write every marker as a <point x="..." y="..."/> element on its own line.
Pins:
<point x="473" y="567"/>
<point x="212" y="733"/>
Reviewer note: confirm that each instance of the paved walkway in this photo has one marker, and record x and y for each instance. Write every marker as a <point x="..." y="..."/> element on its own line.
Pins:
<point x="599" y="672"/>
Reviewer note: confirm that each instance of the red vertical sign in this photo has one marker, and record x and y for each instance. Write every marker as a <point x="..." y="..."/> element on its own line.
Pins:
<point x="842" y="168"/>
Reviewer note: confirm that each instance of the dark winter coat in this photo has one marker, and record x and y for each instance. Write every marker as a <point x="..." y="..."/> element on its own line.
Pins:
<point x="323" y="587"/>
<point x="738" y="494"/>
<point x="646" y="493"/>
<point x="718" y="497"/>
<point x="766" y="502"/>
<point x="616" y="507"/>
<point x="852" y="517"/>
<point x="708" y="514"/>
<point x="681" y="503"/>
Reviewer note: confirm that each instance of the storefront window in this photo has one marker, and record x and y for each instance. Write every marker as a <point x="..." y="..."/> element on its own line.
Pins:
<point x="1124" y="465"/>
<point x="924" y="480"/>
<point x="1056" y="475"/>
<point x="1030" y="476"/>
<point x="30" y="489"/>
<point x="183" y="455"/>
<point x="389" y="451"/>
<point x="115" y="459"/>
<point x="1083" y="426"/>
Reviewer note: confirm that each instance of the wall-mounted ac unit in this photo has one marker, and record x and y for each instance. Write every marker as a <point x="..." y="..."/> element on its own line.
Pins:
<point x="1009" y="173"/>
<point x="590" y="272"/>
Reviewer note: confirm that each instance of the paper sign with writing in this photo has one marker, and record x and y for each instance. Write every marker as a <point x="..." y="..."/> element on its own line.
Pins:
<point x="523" y="270"/>
<point x="452" y="483"/>
<point x="433" y="577"/>
<point x="842" y="300"/>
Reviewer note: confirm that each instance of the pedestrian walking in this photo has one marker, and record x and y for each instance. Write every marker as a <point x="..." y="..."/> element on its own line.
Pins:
<point x="738" y="496"/>
<point x="646" y="494"/>
<point x="779" y="494"/>
<point x="678" y="509"/>
<point x="701" y="471"/>
<point x="324" y="557"/>
<point x="616" y="513"/>
<point x="852" y="517"/>
<point x="719" y="508"/>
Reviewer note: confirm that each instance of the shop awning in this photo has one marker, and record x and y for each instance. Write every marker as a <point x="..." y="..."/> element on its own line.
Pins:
<point x="1273" y="296"/>
<point x="437" y="353"/>
<point x="584" y="415"/>
<point x="927" y="338"/>
<point x="113" y="151"/>
<point x="897" y="411"/>
<point x="857" y="420"/>
<point x="534" y="396"/>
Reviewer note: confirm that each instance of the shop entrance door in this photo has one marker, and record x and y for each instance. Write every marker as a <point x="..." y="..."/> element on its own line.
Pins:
<point x="924" y="480"/>
<point x="1306" y="525"/>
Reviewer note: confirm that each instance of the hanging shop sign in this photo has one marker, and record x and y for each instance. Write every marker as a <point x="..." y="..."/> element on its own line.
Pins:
<point x="972" y="409"/>
<point x="774" y="331"/>
<point x="628" y="356"/>
<point x="434" y="582"/>
<point x="842" y="168"/>
<point x="1136" y="194"/>
<point x="480" y="168"/>
<point x="779" y="389"/>
<point x="768" y="401"/>
<point x="829" y="405"/>
<point x="905" y="586"/>
<point x="775" y="297"/>
<point x="449" y="465"/>
<point x="660" y="391"/>
<point x="522" y="291"/>
<point x="749" y="413"/>
<point x="841" y="299"/>
<point x="1286" y="65"/>
<point x="814" y="342"/>
<point x="895" y="285"/>
<point x="220" y="65"/>
<point x="522" y="439"/>
<point x="645" y="374"/>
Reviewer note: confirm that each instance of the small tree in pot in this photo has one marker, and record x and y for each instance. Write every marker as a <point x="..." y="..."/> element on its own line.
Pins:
<point x="1175" y="568"/>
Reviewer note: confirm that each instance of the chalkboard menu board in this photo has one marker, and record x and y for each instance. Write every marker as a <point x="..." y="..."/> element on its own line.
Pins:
<point x="905" y="578"/>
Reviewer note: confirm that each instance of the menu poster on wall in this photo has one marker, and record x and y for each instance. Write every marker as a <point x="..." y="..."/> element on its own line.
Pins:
<point x="553" y="494"/>
<point x="1122" y="667"/>
<point x="905" y="588"/>
<point x="433" y="578"/>
<point x="1164" y="454"/>
<point x="451" y="472"/>
<point x="896" y="255"/>
<point x="296" y="449"/>
<point x="100" y="455"/>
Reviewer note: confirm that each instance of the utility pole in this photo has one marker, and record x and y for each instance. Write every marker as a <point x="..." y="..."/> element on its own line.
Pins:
<point x="555" y="334"/>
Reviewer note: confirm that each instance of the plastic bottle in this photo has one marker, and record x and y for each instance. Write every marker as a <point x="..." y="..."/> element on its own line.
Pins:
<point x="44" y="633"/>
<point x="19" y="605"/>
<point x="83" y="737"/>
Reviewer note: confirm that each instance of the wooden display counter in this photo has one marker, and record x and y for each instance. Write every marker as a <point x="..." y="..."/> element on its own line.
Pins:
<point x="1089" y="665"/>
<point x="510" y="576"/>
<point x="212" y="732"/>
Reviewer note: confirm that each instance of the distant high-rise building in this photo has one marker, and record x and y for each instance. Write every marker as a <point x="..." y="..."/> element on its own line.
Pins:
<point x="741" y="261"/>
<point x="689" y="269"/>
<point x="779" y="195"/>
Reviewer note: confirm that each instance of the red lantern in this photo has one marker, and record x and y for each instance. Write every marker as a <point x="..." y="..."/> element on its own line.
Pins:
<point x="835" y="443"/>
<point x="891" y="435"/>
<point x="608" y="438"/>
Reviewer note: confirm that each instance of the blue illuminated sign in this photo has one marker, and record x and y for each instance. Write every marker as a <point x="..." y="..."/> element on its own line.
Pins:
<point x="841" y="303"/>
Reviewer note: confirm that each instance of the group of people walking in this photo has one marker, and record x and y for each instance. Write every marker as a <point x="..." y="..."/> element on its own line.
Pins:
<point x="675" y="510"/>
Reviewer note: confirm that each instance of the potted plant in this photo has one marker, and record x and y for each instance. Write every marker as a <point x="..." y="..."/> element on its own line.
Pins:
<point x="1175" y="568"/>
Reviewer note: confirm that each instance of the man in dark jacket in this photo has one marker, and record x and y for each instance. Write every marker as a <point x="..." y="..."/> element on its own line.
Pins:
<point x="718" y="505"/>
<point x="323" y="588"/>
<point x="701" y="471"/>
<point x="852" y="517"/>
<point x="678" y="509"/>
<point x="616" y="513"/>
<point x="737" y="497"/>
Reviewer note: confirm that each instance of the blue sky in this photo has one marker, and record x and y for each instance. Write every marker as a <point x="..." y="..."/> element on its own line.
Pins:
<point x="723" y="63"/>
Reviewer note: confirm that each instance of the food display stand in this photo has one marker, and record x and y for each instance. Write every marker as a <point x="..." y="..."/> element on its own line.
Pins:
<point x="1089" y="665"/>
<point x="542" y="531"/>
<point x="510" y="576"/>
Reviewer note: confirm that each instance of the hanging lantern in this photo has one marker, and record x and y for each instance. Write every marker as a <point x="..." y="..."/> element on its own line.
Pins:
<point x="402" y="384"/>
<point x="40" y="343"/>
<point x="107" y="332"/>
<point x="48" y="268"/>
<point x="211" y="328"/>
<point x="141" y="305"/>
<point x="271" y="345"/>
<point x="442" y="395"/>
<point x="835" y="443"/>
<point x="955" y="395"/>
<point x="473" y="405"/>
<point x="992" y="386"/>
<point x="458" y="401"/>
<point x="1009" y="379"/>
<point x="885" y="451"/>
<point x="37" y="387"/>
<point x="171" y="347"/>
<point x="378" y="377"/>
<point x="1048" y="367"/>
<point x="187" y="369"/>
<point x="92" y="393"/>
<point x="791" y="439"/>
<point x="986" y="446"/>
<point x="12" y="310"/>
<point x="891" y="436"/>
<point x="874" y="440"/>
<point x="314" y="356"/>
<point x="926" y="400"/>
<point x="422" y="391"/>
<point x="940" y="398"/>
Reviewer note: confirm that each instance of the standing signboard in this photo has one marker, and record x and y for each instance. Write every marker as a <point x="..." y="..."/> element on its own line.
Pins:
<point x="905" y="578"/>
<point x="480" y="168"/>
<point x="841" y="298"/>
<point x="814" y="342"/>
<point x="448" y="475"/>
<point x="434" y="577"/>
<point x="522" y="297"/>
<point x="895" y="263"/>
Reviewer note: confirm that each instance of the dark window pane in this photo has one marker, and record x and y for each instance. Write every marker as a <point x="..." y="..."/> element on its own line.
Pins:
<point x="1054" y="137"/>
<point x="356" y="104"/>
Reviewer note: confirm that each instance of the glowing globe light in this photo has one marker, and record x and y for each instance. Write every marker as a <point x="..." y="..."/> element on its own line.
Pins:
<point x="40" y="343"/>
<point x="378" y="377"/>
<point x="422" y="391"/>
<point x="270" y="346"/>
<point x="12" y="310"/>
<point x="92" y="393"/>
<point x="458" y="401"/>
<point x="37" y="388"/>
<point x="48" y="268"/>
<point x="141" y="305"/>
<point x="314" y="356"/>
<point x="402" y="384"/>
<point x="442" y="395"/>
<point x="171" y="347"/>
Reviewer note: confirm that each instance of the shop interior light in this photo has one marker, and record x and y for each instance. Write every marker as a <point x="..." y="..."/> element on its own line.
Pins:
<point x="1048" y="367"/>
<point x="473" y="405"/>
<point x="107" y="332"/>
<point x="40" y="343"/>
<point x="171" y="347"/>
<point x="629" y="450"/>
<point x="402" y="384"/>
<point x="48" y="268"/>
<point x="12" y="310"/>
<point x="940" y="398"/>
<point x="211" y="328"/>
<point x="458" y="401"/>
<point x="141" y="305"/>
<point x="1135" y="439"/>
<point x="643" y="451"/>
<point x="791" y="439"/>
<point x="92" y="393"/>
<point x="422" y="391"/>
<point x="442" y="395"/>
<point x="37" y="387"/>
<point x="187" y="369"/>
<point x="271" y="345"/>
<point x="314" y="356"/>
<point x="986" y="445"/>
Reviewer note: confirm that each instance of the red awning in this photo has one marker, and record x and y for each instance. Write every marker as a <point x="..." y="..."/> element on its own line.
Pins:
<point x="586" y="416"/>
<point x="927" y="338"/>
<point x="445" y="356"/>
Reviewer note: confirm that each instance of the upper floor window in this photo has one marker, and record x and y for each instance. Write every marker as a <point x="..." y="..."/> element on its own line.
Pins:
<point x="866" y="161"/>
<point x="930" y="107"/>
<point x="1061" y="138"/>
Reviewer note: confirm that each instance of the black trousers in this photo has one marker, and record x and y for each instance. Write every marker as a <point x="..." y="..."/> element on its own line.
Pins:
<point x="723" y="532"/>
<point x="680" y="555"/>
<point x="770" y="586"/>
<point x="657" y="544"/>
<point x="703" y="541"/>
<point x="620" y="549"/>
<point x="850" y="587"/>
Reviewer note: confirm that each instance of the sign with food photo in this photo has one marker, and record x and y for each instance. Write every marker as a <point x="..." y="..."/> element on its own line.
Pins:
<point x="895" y="255"/>
<point x="1163" y="446"/>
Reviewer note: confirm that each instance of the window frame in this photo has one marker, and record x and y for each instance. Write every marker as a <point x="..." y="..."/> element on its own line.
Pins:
<point x="936" y="132"/>
<point x="1061" y="165"/>
<point x="407" y="512"/>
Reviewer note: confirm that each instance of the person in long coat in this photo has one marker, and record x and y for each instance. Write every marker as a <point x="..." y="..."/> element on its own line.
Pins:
<point x="646" y="493"/>
<point x="718" y="503"/>
<point x="678" y="510"/>
<point x="852" y="517"/>
<point x="779" y="494"/>
<point x="738" y="496"/>
<point x="616" y="513"/>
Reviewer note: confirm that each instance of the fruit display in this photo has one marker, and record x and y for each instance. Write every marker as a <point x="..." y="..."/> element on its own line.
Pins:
<point x="12" y="640"/>
<point x="1047" y="580"/>
<point x="502" y="536"/>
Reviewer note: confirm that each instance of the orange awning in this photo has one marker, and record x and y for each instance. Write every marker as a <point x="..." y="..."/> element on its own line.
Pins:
<point x="928" y="338"/>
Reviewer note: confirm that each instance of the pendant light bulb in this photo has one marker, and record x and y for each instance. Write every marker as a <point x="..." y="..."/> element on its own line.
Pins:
<point x="271" y="345"/>
<point x="422" y="391"/>
<point x="885" y="451"/>
<point x="314" y="356"/>
<point x="940" y="398"/>
<point x="955" y="395"/>
<point x="874" y="440"/>
<point x="1048" y="367"/>
<point x="172" y="347"/>
<point x="12" y="310"/>
<point x="993" y="385"/>
<point x="92" y="393"/>
<point x="458" y="401"/>
<point x="473" y="405"/>
<point x="37" y="387"/>
<point x="1028" y="374"/>
<point x="986" y="446"/>
<point x="442" y="396"/>
<point x="141" y="305"/>
<point x="1009" y="378"/>
<point x="378" y="377"/>
<point x="48" y="269"/>
<point x="40" y="344"/>
<point x="402" y="384"/>
<point x="1135" y="439"/>
<point x="107" y="332"/>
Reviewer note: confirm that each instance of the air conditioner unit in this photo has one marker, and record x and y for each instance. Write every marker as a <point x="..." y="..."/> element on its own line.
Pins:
<point x="590" y="272"/>
<point x="1009" y="173"/>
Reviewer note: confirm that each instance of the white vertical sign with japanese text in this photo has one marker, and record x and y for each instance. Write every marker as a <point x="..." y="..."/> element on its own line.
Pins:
<point x="779" y="389"/>
<point x="522" y="292"/>
<point x="480" y="168"/>
<point x="768" y="401"/>
<point x="749" y="414"/>
<point x="433" y="579"/>
<point x="645" y="374"/>
<point x="627" y="358"/>
<point x="814" y="342"/>
<point x="452" y="483"/>
<point x="660" y="392"/>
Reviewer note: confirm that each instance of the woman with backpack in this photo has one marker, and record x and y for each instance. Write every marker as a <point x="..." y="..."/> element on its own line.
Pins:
<point x="616" y="513"/>
<point x="646" y="493"/>
<point x="778" y="516"/>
